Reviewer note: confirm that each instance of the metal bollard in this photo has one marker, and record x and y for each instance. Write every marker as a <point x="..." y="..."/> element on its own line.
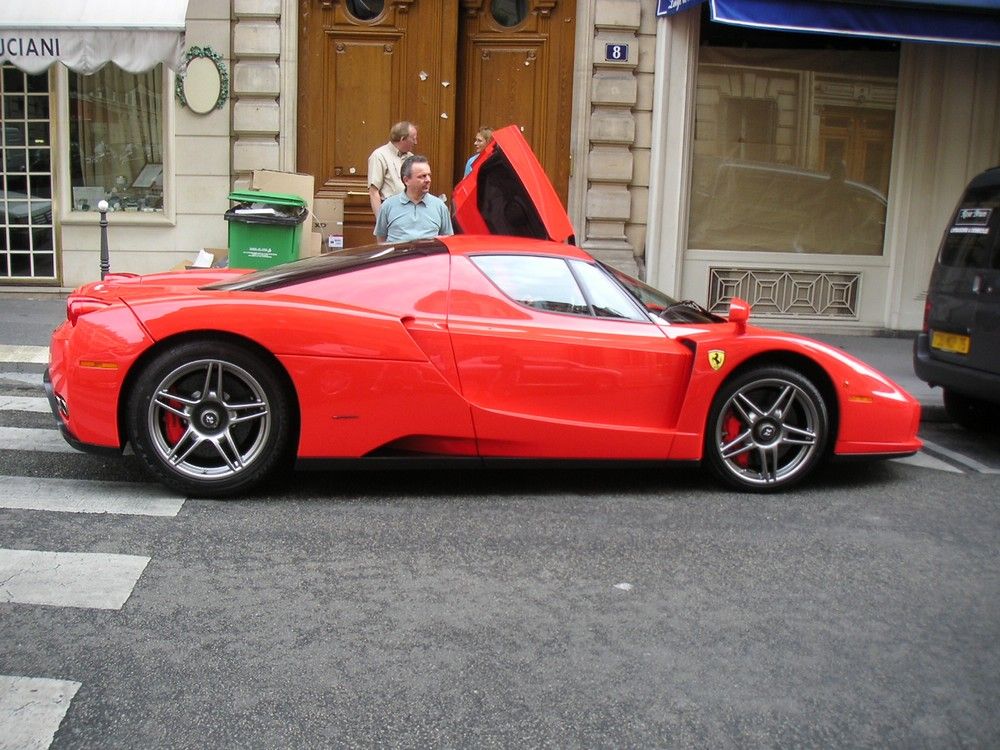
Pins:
<point x="102" y="207"/>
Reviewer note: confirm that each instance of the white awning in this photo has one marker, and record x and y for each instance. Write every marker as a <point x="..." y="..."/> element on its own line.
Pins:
<point x="84" y="35"/>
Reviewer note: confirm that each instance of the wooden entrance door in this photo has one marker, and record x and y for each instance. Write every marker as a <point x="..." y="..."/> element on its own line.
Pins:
<point x="515" y="66"/>
<point x="364" y="65"/>
<point x="449" y="66"/>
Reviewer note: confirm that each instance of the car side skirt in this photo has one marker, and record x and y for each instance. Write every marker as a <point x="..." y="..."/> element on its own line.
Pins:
<point x="380" y="463"/>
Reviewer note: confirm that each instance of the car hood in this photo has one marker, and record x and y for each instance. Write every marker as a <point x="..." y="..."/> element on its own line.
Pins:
<point x="509" y="193"/>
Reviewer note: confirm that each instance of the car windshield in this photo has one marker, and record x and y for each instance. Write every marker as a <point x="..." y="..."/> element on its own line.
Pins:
<point x="662" y="305"/>
<point x="330" y="264"/>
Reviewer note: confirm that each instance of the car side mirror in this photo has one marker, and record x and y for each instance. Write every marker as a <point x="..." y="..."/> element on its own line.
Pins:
<point x="739" y="313"/>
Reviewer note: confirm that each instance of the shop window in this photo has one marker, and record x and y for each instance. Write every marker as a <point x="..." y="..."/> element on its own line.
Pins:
<point x="116" y="139"/>
<point x="750" y="125"/>
<point x="792" y="143"/>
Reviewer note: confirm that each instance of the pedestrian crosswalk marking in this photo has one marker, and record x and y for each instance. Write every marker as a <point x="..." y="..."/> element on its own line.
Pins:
<point x="86" y="496"/>
<point x="24" y="403"/>
<point x="31" y="710"/>
<point x="28" y="378"/>
<point x="37" y="355"/>
<point x="91" y="580"/>
<point x="959" y="458"/>
<point x="926" y="461"/>
<point x="34" y="439"/>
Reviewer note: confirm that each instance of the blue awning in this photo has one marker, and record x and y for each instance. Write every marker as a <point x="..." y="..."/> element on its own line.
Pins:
<point x="975" y="22"/>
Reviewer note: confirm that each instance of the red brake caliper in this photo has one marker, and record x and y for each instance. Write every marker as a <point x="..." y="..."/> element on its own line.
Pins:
<point x="173" y="427"/>
<point x="731" y="428"/>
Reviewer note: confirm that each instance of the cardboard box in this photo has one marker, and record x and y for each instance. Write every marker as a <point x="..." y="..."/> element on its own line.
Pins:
<point x="290" y="183"/>
<point x="207" y="257"/>
<point x="329" y="214"/>
<point x="315" y="246"/>
<point x="212" y="257"/>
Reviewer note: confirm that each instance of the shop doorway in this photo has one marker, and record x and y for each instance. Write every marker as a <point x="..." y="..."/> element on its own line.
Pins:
<point x="450" y="66"/>
<point x="27" y="233"/>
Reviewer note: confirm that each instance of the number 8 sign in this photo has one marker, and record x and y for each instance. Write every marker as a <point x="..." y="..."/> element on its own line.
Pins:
<point x="616" y="53"/>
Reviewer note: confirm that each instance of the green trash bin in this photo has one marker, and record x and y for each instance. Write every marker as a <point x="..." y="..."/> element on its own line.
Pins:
<point x="264" y="228"/>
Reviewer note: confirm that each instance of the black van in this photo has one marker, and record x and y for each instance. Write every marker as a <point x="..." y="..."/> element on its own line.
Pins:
<point x="959" y="347"/>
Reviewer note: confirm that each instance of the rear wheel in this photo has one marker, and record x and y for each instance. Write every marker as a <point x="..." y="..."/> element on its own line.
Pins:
<point x="768" y="429"/>
<point x="971" y="413"/>
<point x="210" y="418"/>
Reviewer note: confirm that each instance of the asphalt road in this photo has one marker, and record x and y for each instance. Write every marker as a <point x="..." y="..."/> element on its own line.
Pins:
<point x="524" y="608"/>
<point x="540" y="609"/>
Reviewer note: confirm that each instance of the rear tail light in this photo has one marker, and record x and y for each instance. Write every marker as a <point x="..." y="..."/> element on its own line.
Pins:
<point x="927" y="314"/>
<point x="77" y="306"/>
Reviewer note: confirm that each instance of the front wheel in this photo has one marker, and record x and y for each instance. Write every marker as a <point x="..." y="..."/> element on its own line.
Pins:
<point x="210" y="418"/>
<point x="768" y="429"/>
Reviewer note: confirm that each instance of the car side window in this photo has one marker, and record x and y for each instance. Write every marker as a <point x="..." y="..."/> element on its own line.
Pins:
<point x="973" y="239"/>
<point x="607" y="298"/>
<point x="537" y="282"/>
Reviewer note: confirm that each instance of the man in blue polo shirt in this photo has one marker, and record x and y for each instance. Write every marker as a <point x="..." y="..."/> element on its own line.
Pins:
<point x="413" y="214"/>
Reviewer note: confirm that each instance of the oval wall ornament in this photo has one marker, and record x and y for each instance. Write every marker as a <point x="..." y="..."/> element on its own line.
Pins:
<point x="203" y="83"/>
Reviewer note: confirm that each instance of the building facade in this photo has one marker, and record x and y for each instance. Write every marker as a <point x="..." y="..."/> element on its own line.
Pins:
<point x="894" y="129"/>
<point x="810" y="175"/>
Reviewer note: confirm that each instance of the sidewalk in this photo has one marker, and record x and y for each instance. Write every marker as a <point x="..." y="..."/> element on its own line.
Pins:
<point x="29" y="318"/>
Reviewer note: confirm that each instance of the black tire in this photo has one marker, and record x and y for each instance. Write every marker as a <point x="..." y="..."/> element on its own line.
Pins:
<point x="767" y="430"/>
<point x="971" y="413"/>
<point x="210" y="418"/>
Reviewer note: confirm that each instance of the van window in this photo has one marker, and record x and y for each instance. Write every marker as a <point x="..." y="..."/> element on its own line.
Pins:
<point x="971" y="240"/>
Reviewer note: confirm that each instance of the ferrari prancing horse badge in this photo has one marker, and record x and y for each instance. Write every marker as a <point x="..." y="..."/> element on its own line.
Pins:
<point x="716" y="358"/>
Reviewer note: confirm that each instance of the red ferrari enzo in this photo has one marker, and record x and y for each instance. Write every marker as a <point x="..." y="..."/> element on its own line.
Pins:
<point x="484" y="347"/>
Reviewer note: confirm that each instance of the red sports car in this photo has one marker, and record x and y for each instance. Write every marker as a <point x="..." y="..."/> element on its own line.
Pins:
<point x="482" y="347"/>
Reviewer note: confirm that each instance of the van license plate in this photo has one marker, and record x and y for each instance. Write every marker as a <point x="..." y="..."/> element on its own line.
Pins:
<point x="950" y="342"/>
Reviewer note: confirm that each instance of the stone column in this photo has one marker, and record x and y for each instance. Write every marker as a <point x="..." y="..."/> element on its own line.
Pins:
<point x="612" y="133"/>
<point x="256" y="88"/>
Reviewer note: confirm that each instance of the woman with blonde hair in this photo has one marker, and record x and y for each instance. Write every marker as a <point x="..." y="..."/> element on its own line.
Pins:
<point x="483" y="136"/>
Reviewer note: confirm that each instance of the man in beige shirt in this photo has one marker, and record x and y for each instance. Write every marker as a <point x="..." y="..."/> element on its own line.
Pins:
<point x="386" y="161"/>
